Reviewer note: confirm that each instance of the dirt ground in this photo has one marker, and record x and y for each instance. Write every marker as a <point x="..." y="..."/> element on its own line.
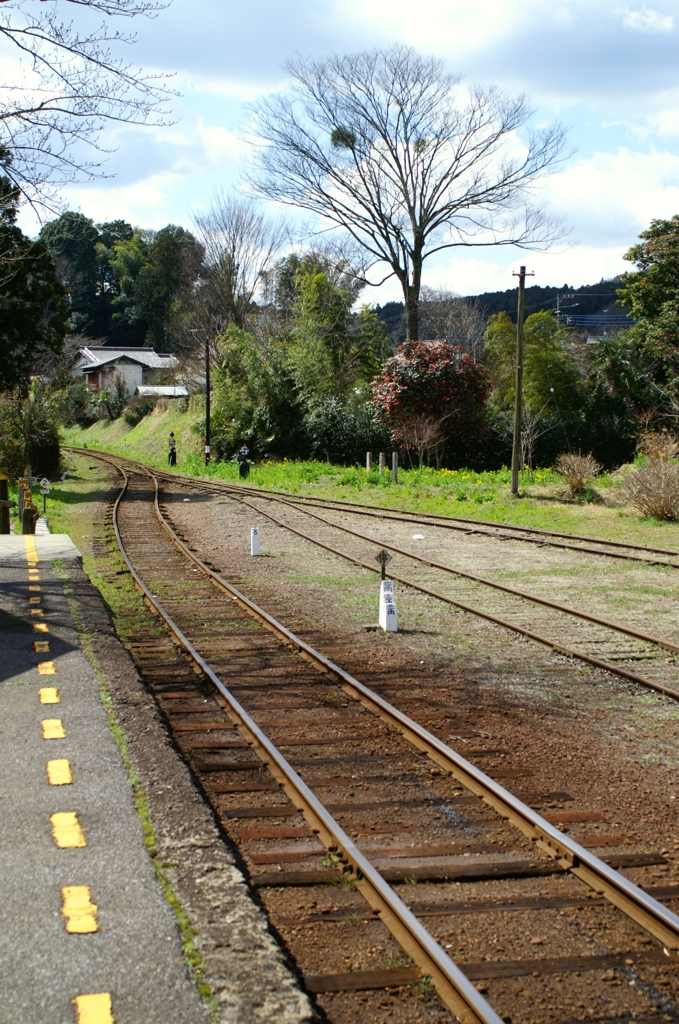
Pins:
<point x="557" y="726"/>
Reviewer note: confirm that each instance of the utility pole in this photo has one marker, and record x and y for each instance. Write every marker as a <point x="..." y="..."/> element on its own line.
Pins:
<point x="518" y="393"/>
<point x="207" y="401"/>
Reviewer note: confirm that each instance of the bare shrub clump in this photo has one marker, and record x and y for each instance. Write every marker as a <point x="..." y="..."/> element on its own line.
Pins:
<point x="658" y="445"/>
<point x="576" y="471"/>
<point x="653" y="490"/>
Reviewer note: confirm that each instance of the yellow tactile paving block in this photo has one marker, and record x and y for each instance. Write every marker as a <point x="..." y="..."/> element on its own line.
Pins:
<point x="67" y="830"/>
<point x="77" y="908"/>
<point x="53" y="729"/>
<point x="59" y="772"/>
<point x="41" y="646"/>
<point x="49" y="695"/>
<point x="46" y="668"/>
<point x="94" y="1009"/>
<point x="40" y="627"/>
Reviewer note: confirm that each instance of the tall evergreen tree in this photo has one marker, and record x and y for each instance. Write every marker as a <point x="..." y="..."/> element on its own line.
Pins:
<point x="32" y="298"/>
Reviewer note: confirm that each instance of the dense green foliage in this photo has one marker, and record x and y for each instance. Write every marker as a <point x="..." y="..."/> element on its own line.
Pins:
<point x="32" y="306"/>
<point x="29" y="430"/>
<point x="642" y="366"/>
<point x="550" y="373"/>
<point x="126" y="287"/>
<point x="298" y="383"/>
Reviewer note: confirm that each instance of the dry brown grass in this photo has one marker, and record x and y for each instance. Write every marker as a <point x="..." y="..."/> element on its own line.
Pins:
<point x="576" y="471"/>
<point x="653" y="490"/>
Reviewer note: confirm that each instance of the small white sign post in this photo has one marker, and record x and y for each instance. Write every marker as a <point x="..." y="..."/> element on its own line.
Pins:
<point x="388" y="618"/>
<point x="44" y="490"/>
<point x="254" y="540"/>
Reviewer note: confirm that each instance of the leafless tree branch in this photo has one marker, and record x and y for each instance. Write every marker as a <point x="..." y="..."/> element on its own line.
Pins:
<point x="69" y="84"/>
<point x="390" y="148"/>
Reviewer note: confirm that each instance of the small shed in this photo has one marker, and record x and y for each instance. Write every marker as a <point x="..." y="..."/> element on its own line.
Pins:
<point x="161" y="391"/>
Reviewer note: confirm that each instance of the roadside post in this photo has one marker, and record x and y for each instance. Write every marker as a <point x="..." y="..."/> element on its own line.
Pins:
<point x="4" y="501"/>
<point x="388" y="617"/>
<point x="29" y="514"/>
<point x="254" y="540"/>
<point x="382" y="463"/>
<point x="368" y="462"/>
<point x="44" y="490"/>
<point x="394" y="467"/>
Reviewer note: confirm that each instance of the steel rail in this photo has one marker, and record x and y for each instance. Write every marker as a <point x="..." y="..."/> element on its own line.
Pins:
<point x="503" y="526"/>
<point x="608" y="624"/>
<point x="647" y="912"/>
<point x="436" y="519"/>
<point x="639" y="906"/>
<point x="454" y="988"/>
<point x="449" y="523"/>
<point x="439" y="522"/>
<point x="496" y="620"/>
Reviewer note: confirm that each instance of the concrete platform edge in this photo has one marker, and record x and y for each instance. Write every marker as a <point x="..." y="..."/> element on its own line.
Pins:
<point x="247" y="970"/>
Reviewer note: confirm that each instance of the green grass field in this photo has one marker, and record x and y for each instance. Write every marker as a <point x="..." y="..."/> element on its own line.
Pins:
<point x="477" y="496"/>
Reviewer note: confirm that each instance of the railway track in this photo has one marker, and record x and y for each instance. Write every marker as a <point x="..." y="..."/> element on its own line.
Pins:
<point x="597" y="643"/>
<point x="597" y="546"/>
<point x="371" y="799"/>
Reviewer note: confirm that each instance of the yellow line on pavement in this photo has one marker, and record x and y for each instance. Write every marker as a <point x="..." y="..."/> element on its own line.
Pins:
<point x="31" y="553"/>
<point x="53" y="729"/>
<point x="40" y="627"/>
<point x="36" y="611"/>
<point x="41" y="646"/>
<point x="80" y="912"/>
<point x="67" y="830"/>
<point x="59" y="772"/>
<point x="94" y="1009"/>
<point x="49" y="695"/>
<point x="46" y="668"/>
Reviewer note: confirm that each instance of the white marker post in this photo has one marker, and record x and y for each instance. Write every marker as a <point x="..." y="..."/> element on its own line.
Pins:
<point x="388" y="618"/>
<point x="254" y="540"/>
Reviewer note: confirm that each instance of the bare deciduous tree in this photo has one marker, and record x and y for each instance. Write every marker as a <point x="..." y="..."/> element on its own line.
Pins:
<point x="443" y="314"/>
<point x="241" y="246"/>
<point x="389" y="147"/>
<point x="67" y="86"/>
<point x="426" y="435"/>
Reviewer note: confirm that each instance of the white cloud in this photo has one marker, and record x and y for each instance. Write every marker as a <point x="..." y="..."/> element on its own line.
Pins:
<point x="648" y="20"/>
<point x="610" y="197"/>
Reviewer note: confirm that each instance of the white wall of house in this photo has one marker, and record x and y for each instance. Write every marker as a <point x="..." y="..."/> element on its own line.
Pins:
<point x="132" y="374"/>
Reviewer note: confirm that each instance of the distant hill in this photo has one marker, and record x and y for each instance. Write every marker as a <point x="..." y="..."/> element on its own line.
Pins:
<point x="589" y="300"/>
<point x="592" y="308"/>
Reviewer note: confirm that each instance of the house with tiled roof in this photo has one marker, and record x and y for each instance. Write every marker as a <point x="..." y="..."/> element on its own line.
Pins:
<point x="102" y="365"/>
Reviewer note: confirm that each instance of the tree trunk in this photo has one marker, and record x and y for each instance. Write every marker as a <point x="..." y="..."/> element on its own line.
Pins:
<point x="411" y="295"/>
<point x="412" y="316"/>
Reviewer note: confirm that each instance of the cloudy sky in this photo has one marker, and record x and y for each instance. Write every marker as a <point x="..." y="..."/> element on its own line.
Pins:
<point x="608" y="70"/>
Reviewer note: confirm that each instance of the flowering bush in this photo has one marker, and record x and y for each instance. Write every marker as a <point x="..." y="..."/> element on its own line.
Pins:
<point x="430" y="379"/>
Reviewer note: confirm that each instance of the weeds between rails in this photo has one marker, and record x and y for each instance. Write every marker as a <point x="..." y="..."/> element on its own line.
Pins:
<point x="565" y="853"/>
